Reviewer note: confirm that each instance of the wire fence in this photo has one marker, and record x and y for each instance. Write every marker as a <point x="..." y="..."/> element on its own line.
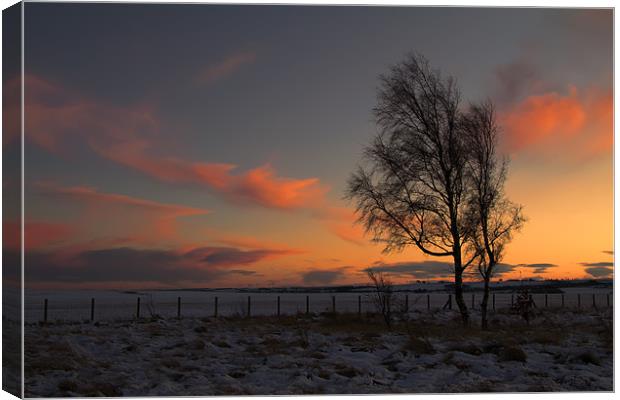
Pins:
<point x="208" y="305"/>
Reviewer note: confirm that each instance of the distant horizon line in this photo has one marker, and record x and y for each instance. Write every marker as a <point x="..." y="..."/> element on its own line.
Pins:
<point x="322" y="287"/>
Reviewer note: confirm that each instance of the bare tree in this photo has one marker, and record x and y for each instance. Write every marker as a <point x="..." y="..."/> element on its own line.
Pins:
<point x="413" y="187"/>
<point x="494" y="216"/>
<point x="382" y="296"/>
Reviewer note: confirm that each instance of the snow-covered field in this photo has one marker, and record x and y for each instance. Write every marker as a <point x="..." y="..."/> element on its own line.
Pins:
<point x="429" y="353"/>
<point x="74" y="305"/>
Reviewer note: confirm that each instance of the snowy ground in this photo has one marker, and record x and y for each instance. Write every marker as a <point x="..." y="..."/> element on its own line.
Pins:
<point x="559" y="351"/>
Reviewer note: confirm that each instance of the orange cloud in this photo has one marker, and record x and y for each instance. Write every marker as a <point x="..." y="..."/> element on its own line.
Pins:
<point x="341" y="221"/>
<point x="248" y="242"/>
<point x="579" y="122"/>
<point x="259" y="185"/>
<point x="225" y="67"/>
<point x="349" y="232"/>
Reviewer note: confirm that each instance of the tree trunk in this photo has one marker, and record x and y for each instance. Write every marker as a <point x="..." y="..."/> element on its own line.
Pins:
<point x="484" y="304"/>
<point x="458" y="295"/>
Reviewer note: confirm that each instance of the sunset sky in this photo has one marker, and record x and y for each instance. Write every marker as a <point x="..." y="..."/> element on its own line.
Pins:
<point x="179" y="146"/>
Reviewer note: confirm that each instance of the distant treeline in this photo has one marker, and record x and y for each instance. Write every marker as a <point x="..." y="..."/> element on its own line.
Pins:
<point x="547" y="286"/>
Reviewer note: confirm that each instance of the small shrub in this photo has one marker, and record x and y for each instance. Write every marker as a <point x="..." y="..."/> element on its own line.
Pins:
<point x="318" y="355"/>
<point x="67" y="385"/>
<point x="589" y="358"/>
<point x="492" y="348"/>
<point x="419" y="346"/>
<point x="468" y="348"/>
<point x="547" y="337"/>
<point x="221" y="343"/>
<point x="197" y="344"/>
<point x="348" y="372"/>
<point x="170" y="363"/>
<point x="98" y="389"/>
<point x="237" y="374"/>
<point x="513" y="353"/>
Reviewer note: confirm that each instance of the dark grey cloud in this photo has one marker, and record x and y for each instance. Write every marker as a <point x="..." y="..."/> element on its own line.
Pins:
<point x="244" y="272"/>
<point x="230" y="256"/>
<point x="514" y="79"/>
<point x="598" y="264"/>
<point x="416" y="269"/>
<point x="538" y="268"/>
<point x="322" y="276"/>
<point x="114" y="265"/>
<point x="602" y="269"/>
<point x="503" y="268"/>
<point x="141" y="265"/>
<point x="610" y="252"/>
<point x="600" y="272"/>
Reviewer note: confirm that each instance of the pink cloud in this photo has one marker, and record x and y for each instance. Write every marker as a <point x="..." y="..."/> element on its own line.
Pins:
<point x="156" y="220"/>
<point x="11" y="111"/>
<point x="225" y="67"/>
<point x="37" y="234"/>
<point x="128" y="135"/>
<point x="56" y="117"/>
<point x="90" y="194"/>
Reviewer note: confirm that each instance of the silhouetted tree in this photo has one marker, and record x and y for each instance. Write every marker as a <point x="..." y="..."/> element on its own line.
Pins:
<point x="495" y="217"/>
<point x="413" y="188"/>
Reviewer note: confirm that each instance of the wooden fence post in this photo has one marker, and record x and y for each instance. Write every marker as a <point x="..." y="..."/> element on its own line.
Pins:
<point x="278" y="306"/>
<point x="449" y="302"/>
<point x="493" y="301"/>
<point x="334" y="304"/>
<point x="546" y="301"/>
<point x="307" y="305"/>
<point x="406" y="303"/>
<point x="428" y="301"/>
<point x="607" y="299"/>
<point x="45" y="311"/>
<point x="92" y="309"/>
<point x="562" y="300"/>
<point x="215" y="308"/>
<point x="594" y="300"/>
<point x="473" y="301"/>
<point x="359" y="306"/>
<point x="249" y="306"/>
<point x="138" y="309"/>
<point x="179" y="307"/>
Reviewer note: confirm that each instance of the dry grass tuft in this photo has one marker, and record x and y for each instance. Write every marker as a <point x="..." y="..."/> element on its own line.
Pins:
<point x="67" y="385"/>
<point x="513" y="353"/>
<point x="418" y="345"/>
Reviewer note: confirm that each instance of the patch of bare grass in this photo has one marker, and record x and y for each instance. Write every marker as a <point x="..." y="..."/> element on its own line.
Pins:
<point x="418" y="345"/>
<point x="512" y="353"/>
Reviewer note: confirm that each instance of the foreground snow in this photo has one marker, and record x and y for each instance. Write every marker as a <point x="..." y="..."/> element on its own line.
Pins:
<point x="559" y="351"/>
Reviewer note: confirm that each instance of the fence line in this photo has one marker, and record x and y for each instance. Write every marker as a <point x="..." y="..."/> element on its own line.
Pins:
<point x="290" y="303"/>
